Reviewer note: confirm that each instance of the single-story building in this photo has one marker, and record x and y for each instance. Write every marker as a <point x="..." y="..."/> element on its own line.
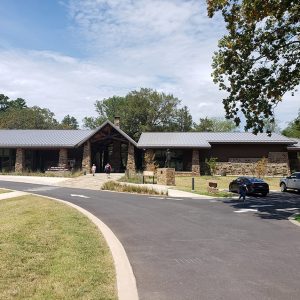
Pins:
<point x="236" y="153"/>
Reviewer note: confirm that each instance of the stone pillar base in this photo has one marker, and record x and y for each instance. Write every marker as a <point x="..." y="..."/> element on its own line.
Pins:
<point x="165" y="176"/>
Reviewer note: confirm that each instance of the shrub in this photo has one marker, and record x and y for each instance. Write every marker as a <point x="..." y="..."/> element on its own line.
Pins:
<point x="118" y="187"/>
<point x="212" y="164"/>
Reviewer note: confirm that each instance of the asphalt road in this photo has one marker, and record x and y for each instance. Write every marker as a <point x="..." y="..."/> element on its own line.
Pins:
<point x="200" y="249"/>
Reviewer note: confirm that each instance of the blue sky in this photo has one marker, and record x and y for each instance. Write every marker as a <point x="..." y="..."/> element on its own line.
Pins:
<point x="66" y="54"/>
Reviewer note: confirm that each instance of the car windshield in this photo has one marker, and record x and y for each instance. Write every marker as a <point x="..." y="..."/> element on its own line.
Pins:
<point x="297" y="175"/>
<point x="253" y="179"/>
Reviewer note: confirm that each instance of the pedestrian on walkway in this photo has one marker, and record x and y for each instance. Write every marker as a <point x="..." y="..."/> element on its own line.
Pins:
<point x="242" y="191"/>
<point x="107" y="170"/>
<point x="94" y="169"/>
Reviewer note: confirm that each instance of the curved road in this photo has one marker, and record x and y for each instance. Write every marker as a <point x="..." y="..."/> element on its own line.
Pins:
<point x="199" y="249"/>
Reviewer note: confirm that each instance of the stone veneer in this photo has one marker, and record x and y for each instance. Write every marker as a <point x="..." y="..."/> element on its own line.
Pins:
<point x="149" y="160"/>
<point x="130" y="160"/>
<point x="63" y="158"/>
<point x="86" y="157"/>
<point x="20" y="160"/>
<point x="195" y="163"/>
<point x="165" y="176"/>
<point x="230" y="168"/>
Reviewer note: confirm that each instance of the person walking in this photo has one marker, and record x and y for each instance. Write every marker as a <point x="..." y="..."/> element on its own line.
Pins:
<point x="242" y="191"/>
<point x="94" y="169"/>
<point x="107" y="170"/>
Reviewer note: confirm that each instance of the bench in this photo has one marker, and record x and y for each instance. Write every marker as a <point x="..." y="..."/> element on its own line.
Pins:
<point x="148" y="174"/>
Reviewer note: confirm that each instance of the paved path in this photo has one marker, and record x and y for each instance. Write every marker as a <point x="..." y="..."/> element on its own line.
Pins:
<point x="200" y="248"/>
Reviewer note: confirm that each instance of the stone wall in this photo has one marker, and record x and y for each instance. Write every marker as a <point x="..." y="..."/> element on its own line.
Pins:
<point x="63" y="158"/>
<point x="20" y="160"/>
<point x="149" y="160"/>
<point x="165" y="176"/>
<point x="230" y="168"/>
<point x="86" y="157"/>
<point x="130" y="160"/>
<point x="195" y="163"/>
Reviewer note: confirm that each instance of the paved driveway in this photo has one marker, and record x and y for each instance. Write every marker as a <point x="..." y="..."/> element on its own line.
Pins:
<point x="200" y="249"/>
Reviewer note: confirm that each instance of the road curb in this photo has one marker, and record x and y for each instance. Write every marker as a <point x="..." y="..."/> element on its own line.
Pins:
<point x="292" y="220"/>
<point x="126" y="283"/>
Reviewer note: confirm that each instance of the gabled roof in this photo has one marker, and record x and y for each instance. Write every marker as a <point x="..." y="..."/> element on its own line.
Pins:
<point x="205" y="139"/>
<point x="112" y="125"/>
<point x="39" y="138"/>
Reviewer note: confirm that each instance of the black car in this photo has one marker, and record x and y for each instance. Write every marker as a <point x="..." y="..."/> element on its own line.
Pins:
<point x="254" y="185"/>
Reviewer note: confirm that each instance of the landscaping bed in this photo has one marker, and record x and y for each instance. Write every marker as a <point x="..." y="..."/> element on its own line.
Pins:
<point x="50" y="251"/>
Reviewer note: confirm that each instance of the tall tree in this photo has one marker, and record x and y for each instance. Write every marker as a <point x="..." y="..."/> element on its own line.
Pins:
<point x="258" y="60"/>
<point x="293" y="129"/>
<point x="6" y="103"/>
<point x="69" y="122"/>
<point x="184" y="120"/>
<point x="143" y="110"/>
<point x="214" y="125"/>
<point x="28" y="118"/>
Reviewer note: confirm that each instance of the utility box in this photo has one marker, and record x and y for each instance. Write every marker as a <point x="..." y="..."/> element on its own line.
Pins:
<point x="165" y="176"/>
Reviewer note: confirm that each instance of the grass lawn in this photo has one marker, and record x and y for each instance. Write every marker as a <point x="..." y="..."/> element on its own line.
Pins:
<point x="297" y="218"/>
<point x="50" y="251"/>
<point x="201" y="183"/>
<point x="2" y="191"/>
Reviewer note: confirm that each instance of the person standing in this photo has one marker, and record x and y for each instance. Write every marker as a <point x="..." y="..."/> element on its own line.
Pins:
<point x="94" y="169"/>
<point x="242" y="191"/>
<point x="107" y="170"/>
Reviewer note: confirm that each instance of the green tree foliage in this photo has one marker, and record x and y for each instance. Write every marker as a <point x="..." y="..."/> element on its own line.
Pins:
<point x="69" y="122"/>
<point x="6" y="103"/>
<point x="214" y="125"/>
<point x="143" y="110"/>
<point x="28" y="118"/>
<point x="293" y="129"/>
<point x="258" y="60"/>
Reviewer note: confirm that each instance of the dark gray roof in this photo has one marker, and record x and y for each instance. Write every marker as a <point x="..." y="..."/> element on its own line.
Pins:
<point x="42" y="138"/>
<point x="205" y="139"/>
<point x="295" y="147"/>
<point x="34" y="138"/>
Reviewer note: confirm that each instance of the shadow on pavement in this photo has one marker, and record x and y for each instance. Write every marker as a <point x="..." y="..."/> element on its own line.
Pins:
<point x="276" y="206"/>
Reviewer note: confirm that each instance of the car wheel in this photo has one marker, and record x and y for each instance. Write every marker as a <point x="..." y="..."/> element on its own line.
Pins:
<point x="283" y="187"/>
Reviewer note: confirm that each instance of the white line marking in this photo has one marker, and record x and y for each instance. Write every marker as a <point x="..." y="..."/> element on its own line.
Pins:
<point x="156" y="197"/>
<point x="80" y="196"/>
<point x="176" y="199"/>
<point x="261" y="205"/>
<point x="244" y="210"/>
<point x="288" y="209"/>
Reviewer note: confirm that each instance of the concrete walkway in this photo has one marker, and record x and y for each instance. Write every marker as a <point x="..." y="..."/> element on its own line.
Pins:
<point x="12" y="194"/>
<point x="91" y="182"/>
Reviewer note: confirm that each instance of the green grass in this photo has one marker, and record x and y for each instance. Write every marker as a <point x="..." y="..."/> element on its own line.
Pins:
<point x="201" y="183"/>
<point x="2" y="191"/>
<point x="42" y="174"/>
<point x="115" y="186"/>
<point x="297" y="218"/>
<point x="50" y="251"/>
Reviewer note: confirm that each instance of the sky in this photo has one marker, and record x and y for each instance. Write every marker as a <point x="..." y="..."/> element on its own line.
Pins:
<point x="66" y="54"/>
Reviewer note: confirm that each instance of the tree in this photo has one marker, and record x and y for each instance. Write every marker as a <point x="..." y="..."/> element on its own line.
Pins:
<point x="214" y="125"/>
<point x="143" y="110"/>
<point x="258" y="60"/>
<point x="28" y="118"/>
<point x="6" y="103"/>
<point x="184" y="120"/>
<point x="293" y="129"/>
<point x="69" y="122"/>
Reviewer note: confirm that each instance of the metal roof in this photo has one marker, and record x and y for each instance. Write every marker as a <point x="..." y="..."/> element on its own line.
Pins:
<point x="33" y="138"/>
<point x="39" y="138"/>
<point x="205" y="139"/>
<point x="295" y="147"/>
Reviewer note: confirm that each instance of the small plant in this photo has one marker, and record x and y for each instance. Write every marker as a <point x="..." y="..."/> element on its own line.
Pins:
<point x="212" y="164"/>
<point x="261" y="167"/>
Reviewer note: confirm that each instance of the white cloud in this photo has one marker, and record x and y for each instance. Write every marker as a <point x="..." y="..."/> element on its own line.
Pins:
<point x="162" y="44"/>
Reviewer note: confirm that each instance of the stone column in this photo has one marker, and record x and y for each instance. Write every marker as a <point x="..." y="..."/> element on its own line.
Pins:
<point x="149" y="160"/>
<point x="20" y="160"/>
<point x="63" y="158"/>
<point x="195" y="163"/>
<point x="86" y="157"/>
<point x="130" y="160"/>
